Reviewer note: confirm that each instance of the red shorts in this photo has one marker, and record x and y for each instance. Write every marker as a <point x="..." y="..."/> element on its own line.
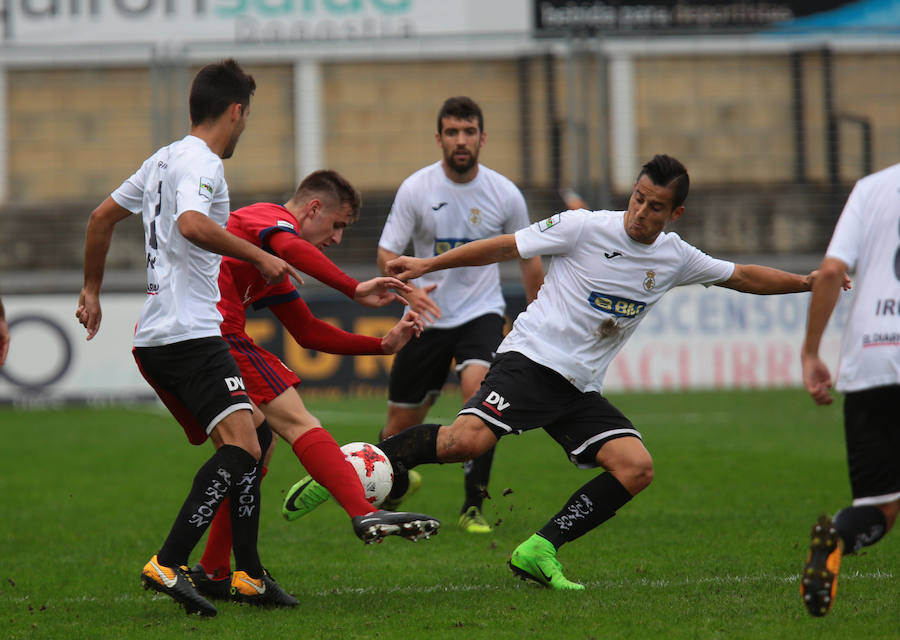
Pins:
<point x="265" y="375"/>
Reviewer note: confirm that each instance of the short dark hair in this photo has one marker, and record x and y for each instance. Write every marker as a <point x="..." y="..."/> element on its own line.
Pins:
<point x="217" y="86"/>
<point x="668" y="172"/>
<point x="460" y="107"/>
<point x="327" y="182"/>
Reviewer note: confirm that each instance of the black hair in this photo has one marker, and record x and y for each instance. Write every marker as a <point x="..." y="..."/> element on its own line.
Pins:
<point x="668" y="172"/>
<point x="216" y="87"/>
<point x="460" y="107"/>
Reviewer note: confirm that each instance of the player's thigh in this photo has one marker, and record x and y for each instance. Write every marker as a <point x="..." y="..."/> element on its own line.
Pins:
<point x="237" y="429"/>
<point x="288" y="416"/>
<point x="628" y="460"/>
<point x="201" y="377"/>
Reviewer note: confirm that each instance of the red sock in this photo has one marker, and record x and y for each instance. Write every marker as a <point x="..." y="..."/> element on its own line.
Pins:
<point x="325" y="462"/>
<point x="216" y="560"/>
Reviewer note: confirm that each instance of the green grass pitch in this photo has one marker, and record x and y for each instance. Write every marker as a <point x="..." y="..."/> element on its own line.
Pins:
<point x="712" y="549"/>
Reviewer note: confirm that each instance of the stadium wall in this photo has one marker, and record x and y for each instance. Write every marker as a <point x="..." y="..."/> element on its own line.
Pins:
<point x="695" y="338"/>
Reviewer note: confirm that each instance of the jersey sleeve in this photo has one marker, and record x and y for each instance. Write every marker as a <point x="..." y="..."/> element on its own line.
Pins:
<point x="199" y="185"/>
<point x="552" y="236"/>
<point x="700" y="268"/>
<point x="130" y="194"/>
<point x="400" y="223"/>
<point x="518" y="212"/>
<point x="311" y="333"/>
<point x="847" y="237"/>
<point x="310" y="260"/>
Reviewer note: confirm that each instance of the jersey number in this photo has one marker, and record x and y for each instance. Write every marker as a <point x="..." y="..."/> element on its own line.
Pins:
<point x="152" y="240"/>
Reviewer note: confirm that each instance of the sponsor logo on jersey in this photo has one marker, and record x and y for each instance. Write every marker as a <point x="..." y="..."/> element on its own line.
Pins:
<point x="495" y="402"/>
<point x="614" y="305"/>
<point x="206" y="187"/>
<point x="610" y="256"/>
<point x="650" y="281"/>
<point x="438" y="206"/>
<point x="474" y="216"/>
<point x="284" y="224"/>
<point x="443" y="245"/>
<point x="550" y="222"/>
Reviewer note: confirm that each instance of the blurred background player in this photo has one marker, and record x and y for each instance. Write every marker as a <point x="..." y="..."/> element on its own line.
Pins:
<point x="607" y="271"/>
<point x="446" y="204"/>
<point x="4" y="335"/>
<point x="182" y="194"/>
<point x="314" y="218"/>
<point x="866" y="241"/>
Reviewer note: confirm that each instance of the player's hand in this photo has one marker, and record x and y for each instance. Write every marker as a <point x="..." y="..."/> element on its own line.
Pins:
<point x="409" y="326"/>
<point x="405" y="267"/>
<point x="274" y="269"/>
<point x="377" y="292"/>
<point x="816" y="378"/>
<point x="89" y="313"/>
<point x="420" y="301"/>
<point x="846" y="284"/>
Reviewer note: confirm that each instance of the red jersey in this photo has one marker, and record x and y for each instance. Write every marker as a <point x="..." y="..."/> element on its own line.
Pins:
<point x="273" y="228"/>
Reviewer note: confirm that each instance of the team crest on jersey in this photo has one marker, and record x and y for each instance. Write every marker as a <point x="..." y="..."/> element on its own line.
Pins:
<point x="206" y="187"/>
<point x="284" y="224"/>
<point x="550" y="222"/>
<point x="650" y="281"/>
<point x="474" y="216"/>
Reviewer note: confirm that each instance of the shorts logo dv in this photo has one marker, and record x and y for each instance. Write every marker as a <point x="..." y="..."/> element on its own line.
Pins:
<point x="495" y="403"/>
<point x="621" y="307"/>
<point x="235" y="385"/>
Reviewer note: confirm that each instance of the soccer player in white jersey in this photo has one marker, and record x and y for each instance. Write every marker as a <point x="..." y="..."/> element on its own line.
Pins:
<point x="444" y="205"/>
<point x="866" y="241"/>
<point x="183" y="197"/>
<point x="608" y="269"/>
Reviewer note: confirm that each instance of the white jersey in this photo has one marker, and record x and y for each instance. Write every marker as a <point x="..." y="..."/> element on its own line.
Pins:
<point x="182" y="278"/>
<point x="867" y="239"/>
<point x="600" y="284"/>
<point x="437" y="214"/>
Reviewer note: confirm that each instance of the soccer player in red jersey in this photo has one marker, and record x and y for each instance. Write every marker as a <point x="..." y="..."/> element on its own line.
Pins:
<point x="315" y="217"/>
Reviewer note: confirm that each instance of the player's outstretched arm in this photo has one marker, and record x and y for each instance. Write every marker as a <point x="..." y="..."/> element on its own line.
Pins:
<point x="472" y="254"/>
<point x="97" y="239"/>
<point x="754" y="278"/>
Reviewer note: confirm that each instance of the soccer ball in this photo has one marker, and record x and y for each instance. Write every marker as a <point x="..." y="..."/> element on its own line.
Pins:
<point x="374" y="469"/>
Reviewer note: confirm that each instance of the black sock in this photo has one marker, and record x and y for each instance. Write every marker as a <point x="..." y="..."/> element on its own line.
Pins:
<point x="245" y="505"/>
<point x="476" y="474"/>
<point x="411" y="447"/>
<point x="211" y="484"/>
<point x="592" y="505"/>
<point x="860" y="526"/>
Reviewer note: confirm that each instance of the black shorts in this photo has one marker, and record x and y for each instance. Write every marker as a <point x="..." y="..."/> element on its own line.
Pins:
<point x="872" y="431"/>
<point x="198" y="381"/>
<point x="420" y="368"/>
<point x="518" y="395"/>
